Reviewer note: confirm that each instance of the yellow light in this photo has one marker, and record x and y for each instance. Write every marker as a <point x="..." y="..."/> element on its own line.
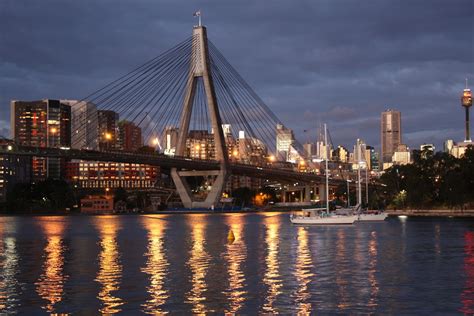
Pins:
<point x="271" y="158"/>
<point x="302" y="163"/>
<point x="53" y="130"/>
<point x="107" y="189"/>
<point x="156" y="141"/>
<point x="198" y="147"/>
<point x="108" y="136"/>
<point x="235" y="153"/>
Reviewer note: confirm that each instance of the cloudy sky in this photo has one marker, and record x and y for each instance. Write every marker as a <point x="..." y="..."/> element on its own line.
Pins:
<point x="335" y="61"/>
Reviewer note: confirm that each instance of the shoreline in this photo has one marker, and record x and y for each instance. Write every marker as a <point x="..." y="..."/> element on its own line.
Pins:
<point x="391" y="213"/>
<point x="431" y="213"/>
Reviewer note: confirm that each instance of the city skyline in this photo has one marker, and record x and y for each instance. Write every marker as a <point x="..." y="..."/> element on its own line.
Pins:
<point x="413" y="62"/>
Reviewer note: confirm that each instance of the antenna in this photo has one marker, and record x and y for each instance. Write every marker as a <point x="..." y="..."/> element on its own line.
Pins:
<point x="466" y="83"/>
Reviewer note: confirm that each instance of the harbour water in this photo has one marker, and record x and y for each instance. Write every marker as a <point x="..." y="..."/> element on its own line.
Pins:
<point x="184" y="264"/>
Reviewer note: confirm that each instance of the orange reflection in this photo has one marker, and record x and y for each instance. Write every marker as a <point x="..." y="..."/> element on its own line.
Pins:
<point x="272" y="276"/>
<point x="467" y="296"/>
<point x="341" y="280"/>
<point x="8" y="271"/>
<point x="198" y="263"/>
<point x="50" y="285"/>
<point x="438" y="239"/>
<point x="235" y="256"/>
<point x="156" y="265"/>
<point x="110" y="268"/>
<point x="303" y="272"/>
<point x="374" y="287"/>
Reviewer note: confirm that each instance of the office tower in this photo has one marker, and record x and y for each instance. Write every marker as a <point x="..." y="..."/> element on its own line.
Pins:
<point x="284" y="142"/>
<point x="43" y="123"/>
<point x="84" y="125"/>
<point x="390" y="133"/>
<point x="466" y="101"/>
<point x="107" y="124"/>
<point x="341" y="154"/>
<point x="129" y="137"/>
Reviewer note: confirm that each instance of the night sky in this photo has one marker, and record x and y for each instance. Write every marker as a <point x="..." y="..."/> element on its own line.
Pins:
<point x="334" y="61"/>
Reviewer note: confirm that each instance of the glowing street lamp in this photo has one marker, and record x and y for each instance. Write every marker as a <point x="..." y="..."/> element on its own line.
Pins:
<point x="271" y="158"/>
<point x="108" y="136"/>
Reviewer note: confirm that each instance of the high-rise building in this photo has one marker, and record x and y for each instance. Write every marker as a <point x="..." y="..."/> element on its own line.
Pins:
<point x="43" y="123"/>
<point x="373" y="160"/>
<point x="171" y="140"/>
<point x="13" y="170"/>
<point x="107" y="124"/>
<point x="284" y="141"/>
<point x="84" y="125"/>
<point x="466" y="101"/>
<point x="390" y="133"/>
<point x="341" y="154"/>
<point x="129" y="137"/>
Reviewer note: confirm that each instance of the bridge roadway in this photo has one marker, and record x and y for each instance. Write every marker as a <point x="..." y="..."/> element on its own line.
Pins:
<point x="271" y="173"/>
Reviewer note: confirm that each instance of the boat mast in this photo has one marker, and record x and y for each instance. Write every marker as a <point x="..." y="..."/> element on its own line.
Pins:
<point x="326" y="167"/>
<point x="359" y="194"/>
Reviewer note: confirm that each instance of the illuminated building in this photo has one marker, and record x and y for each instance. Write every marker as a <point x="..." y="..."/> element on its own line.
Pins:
<point x="200" y="145"/>
<point x="340" y="154"/>
<point x="43" y="123"/>
<point x="13" y="170"/>
<point x="284" y="142"/>
<point x="84" y="126"/>
<point x="129" y="136"/>
<point x="87" y="174"/>
<point x="401" y="156"/>
<point x="390" y="133"/>
<point x="97" y="204"/>
<point x="466" y="101"/>
<point x="107" y="124"/>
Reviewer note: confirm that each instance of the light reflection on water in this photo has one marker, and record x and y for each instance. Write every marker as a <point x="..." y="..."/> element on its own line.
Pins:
<point x="374" y="287"/>
<point x="9" y="286"/>
<point x="235" y="257"/>
<point x="303" y="273"/>
<point x="110" y="267"/>
<point x="272" y="278"/>
<point x="156" y="264"/>
<point x="184" y="264"/>
<point x="199" y="264"/>
<point x="50" y="285"/>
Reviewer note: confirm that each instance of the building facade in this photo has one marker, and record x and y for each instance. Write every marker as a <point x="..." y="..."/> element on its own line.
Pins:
<point x="84" y="124"/>
<point x="43" y="123"/>
<point x="129" y="136"/>
<point x="95" y="174"/>
<point x="390" y="133"/>
<point x="107" y="125"/>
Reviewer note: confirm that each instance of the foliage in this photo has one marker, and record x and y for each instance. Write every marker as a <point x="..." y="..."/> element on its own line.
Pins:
<point x="49" y="196"/>
<point x="432" y="180"/>
<point x="243" y="196"/>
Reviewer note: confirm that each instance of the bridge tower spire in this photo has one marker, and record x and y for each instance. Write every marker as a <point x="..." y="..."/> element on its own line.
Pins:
<point x="200" y="68"/>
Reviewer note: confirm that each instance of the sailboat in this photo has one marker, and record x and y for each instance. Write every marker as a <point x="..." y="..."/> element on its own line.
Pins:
<point x="322" y="216"/>
<point x="366" y="216"/>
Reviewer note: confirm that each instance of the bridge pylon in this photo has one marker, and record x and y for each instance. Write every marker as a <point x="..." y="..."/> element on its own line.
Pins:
<point x="200" y="68"/>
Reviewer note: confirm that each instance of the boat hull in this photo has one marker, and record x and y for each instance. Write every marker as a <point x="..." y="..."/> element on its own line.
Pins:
<point x="372" y="217"/>
<point x="330" y="220"/>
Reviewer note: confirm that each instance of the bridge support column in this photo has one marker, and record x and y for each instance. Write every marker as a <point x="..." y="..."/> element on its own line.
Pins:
<point x="200" y="68"/>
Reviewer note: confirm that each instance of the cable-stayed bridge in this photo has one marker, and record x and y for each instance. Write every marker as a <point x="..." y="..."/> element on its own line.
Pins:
<point x="189" y="91"/>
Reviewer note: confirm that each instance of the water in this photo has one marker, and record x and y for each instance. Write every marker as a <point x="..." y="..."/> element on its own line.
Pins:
<point x="184" y="264"/>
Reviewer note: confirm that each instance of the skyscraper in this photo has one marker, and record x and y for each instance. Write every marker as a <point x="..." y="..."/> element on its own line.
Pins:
<point x="284" y="142"/>
<point x="129" y="136"/>
<point x="107" y="124"/>
<point x="43" y="123"/>
<point x="390" y="133"/>
<point x="84" y="125"/>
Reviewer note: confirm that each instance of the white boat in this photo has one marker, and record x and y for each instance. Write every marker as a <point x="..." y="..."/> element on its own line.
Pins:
<point x="372" y="217"/>
<point x="312" y="217"/>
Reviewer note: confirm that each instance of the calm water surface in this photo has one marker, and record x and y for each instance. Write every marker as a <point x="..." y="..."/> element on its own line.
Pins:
<point x="183" y="264"/>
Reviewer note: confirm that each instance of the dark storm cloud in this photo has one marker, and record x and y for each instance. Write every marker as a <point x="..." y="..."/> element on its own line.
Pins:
<point x="340" y="62"/>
